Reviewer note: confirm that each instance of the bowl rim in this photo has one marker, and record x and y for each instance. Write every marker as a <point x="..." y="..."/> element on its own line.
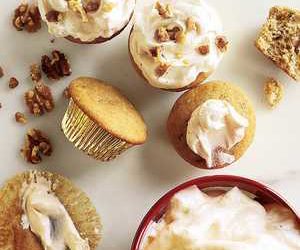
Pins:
<point x="246" y="184"/>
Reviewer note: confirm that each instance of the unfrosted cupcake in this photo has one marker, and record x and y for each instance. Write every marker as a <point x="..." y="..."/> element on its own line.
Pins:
<point x="175" y="45"/>
<point x="212" y="126"/>
<point x="101" y="121"/>
<point x="41" y="210"/>
<point x="86" y="21"/>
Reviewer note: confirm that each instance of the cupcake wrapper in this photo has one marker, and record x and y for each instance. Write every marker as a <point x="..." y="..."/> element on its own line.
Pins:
<point x="90" y="137"/>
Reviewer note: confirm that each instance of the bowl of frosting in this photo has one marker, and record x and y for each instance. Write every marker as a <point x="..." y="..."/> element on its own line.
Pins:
<point x="220" y="213"/>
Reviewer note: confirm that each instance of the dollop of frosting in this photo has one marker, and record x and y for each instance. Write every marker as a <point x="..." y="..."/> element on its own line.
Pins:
<point x="230" y="221"/>
<point x="213" y="129"/>
<point x="86" y="19"/>
<point x="172" y="42"/>
<point x="48" y="219"/>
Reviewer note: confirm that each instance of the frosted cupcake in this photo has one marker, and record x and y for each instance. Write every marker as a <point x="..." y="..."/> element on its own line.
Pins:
<point x="86" y="21"/>
<point x="41" y="210"/>
<point x="212" y="126"/>
<point x="175" y="45"/>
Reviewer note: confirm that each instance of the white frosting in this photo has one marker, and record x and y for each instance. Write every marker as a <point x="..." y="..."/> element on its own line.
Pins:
<point x="184" y="59"/>
<point x="231" y="221"/>
<point x="215" y="125"/>
<point x="110" y="18"/>
<point x="48" y="219"/>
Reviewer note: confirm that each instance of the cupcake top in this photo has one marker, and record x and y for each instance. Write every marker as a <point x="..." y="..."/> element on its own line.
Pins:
<point x="232" y="220"/>
<point x="106" y="106"/>
<point x="213" y="129"/>
<point x="172" y="42"/>
<point x="86" y="20"/>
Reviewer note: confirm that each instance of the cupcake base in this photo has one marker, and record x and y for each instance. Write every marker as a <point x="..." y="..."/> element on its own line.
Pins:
<point x="89" y="137"/>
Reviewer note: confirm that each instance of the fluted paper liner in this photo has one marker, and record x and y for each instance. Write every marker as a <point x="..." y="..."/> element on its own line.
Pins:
<point x="78" y="205"/>
<point x="89" y="137"/>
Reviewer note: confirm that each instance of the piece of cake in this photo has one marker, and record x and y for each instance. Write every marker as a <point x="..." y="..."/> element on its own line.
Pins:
<point x="279" y="40"/>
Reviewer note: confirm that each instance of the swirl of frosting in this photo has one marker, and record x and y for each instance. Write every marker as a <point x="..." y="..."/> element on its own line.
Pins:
<point x="213" y="129"/>
<point x="173" y="42"/>
<point x="86" y="19"/>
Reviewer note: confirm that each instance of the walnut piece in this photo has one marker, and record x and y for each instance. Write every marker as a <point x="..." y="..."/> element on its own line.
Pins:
<point x="91" y="5"/>
<point x="162" y="69"/>
<point x="273" y="92"/>
<point x="27" y="17"/>
<point x="20" y="118"/>
<point x="66" y="93"/>
<point x="57" y="67"/>
<point x="222" y="43"/>
<point x="35" y="73"/>
<point x="36" y="144"/>
<point x="203" y="49"/>
<point x="192" y="25"/>
<point x="53" y="16"/>
<point x="13" y="83"/>
<point x="164" y="11"/>
<point x="1" y="72"/>
<point x="39" y="100"/>
<point x="153" y="52"/>
<point x="163" y="34"/>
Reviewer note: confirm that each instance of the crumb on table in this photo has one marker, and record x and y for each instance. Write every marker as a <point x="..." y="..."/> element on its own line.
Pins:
<point x="273" y="92"/>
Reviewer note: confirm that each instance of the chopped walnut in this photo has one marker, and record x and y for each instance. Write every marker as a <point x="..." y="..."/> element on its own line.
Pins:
<point x="191" y="24"/>
<point x="77" y="6"/>
<point x="66" y="93"/>
<point x="161" y="69"/>
<point x="273" y="91"/>
<point x="203" y="49"/>
<point x="53" y="16"/>
<point x="20" y="118"/>
<point x="108" y="7"/>
<point x="162" y="35"/>
<point x="36" y="144"/>
<point x="221" y="157"/>
<point x="91" y="5"/>
<point x="27" y="17"/>
<point x="13" y="83"/>
<point x="153" y="52"/>
<point x="35" y="73"/>
<point x="39" y="100"/>
<point x="222" y="43"/>
<point x="57" y="67"/>
<point x="164" y="11"/>
<point x="1" y="72"/>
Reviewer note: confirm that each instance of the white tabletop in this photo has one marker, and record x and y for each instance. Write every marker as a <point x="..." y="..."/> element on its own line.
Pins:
<point x="125" y="189"/>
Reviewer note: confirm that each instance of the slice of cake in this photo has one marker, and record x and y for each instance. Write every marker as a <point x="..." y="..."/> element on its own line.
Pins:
<point x="279" y="40"/>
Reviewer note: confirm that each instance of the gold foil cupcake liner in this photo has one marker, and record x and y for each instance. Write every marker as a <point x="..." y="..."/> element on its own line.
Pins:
<point x="89" y="137"/>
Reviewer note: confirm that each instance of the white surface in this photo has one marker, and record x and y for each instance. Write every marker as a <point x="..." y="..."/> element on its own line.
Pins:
<point x="124" y="190"/>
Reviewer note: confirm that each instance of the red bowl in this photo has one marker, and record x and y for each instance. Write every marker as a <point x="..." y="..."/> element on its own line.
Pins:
<point x="262" y="193"/>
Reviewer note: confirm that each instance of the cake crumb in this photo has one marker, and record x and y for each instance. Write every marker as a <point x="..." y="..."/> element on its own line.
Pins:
<point x="273" y="92"/>
<point x="20" y="118"/>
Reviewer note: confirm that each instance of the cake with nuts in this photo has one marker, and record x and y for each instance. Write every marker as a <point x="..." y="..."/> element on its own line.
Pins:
<point x="176" y="46"/>
<point x="42" y="210"/>
<point x="211" y="126"/>
<point x="101" y="121"/>
<point x="87" y="21"/>
<point x="279" y="39"/>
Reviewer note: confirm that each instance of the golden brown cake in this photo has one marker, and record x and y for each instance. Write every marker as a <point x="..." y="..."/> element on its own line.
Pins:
<point x="279" y="39"/>
<point x="15" y="234"/>
<point x="212" y="125"/>
<point x="100" y="121"/>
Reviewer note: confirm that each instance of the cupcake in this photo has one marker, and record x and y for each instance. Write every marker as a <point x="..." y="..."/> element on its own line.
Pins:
<point x="100" y="121"/>
<point x="41" y="210"/>
<point x="86" y="21"/>
<point x="176" y="45"/>
<point x="212" y="126"/>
